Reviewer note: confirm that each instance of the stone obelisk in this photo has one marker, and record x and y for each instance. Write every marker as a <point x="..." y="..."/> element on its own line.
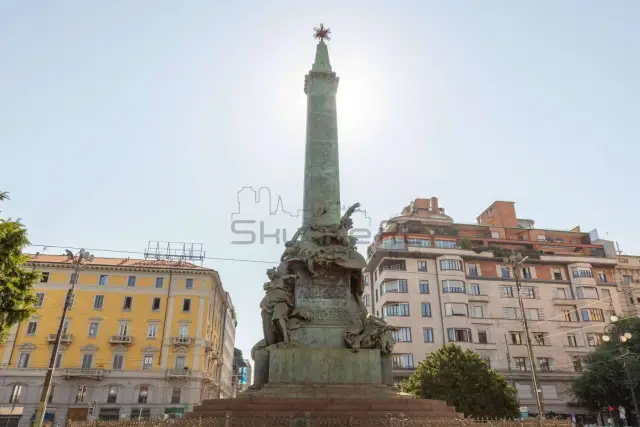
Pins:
<point x="321" y="170"/>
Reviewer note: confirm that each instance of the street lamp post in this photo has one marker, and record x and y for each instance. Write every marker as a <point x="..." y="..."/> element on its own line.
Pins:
<point x="515" y="261"/>
<point x="76" y="261"/>
<point x="621" y="338"/>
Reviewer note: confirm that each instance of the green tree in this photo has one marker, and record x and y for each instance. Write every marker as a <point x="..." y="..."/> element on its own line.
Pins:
<point x="16" y="284"/>
<point x="604" y="382"/>
<point x="463" y="379"/>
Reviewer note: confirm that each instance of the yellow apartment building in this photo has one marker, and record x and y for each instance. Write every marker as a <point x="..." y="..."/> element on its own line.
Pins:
<point x="143" y="338"/>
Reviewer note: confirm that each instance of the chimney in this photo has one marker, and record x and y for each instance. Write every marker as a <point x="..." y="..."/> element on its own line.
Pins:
<point x="434" y="205"/>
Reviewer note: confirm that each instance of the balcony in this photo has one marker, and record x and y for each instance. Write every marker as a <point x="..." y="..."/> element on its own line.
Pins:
<point x="64" y="338"/>
<point x="121" y="339"/>
<point x="91" y="373"/>
<point x="180" y="340"/>
<point x="177" y="374"/>
<point x="478" y="298"/>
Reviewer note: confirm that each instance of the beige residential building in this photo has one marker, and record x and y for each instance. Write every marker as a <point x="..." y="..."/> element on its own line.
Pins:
<point x="628" y="278"/>
<point x="440" y="282"/>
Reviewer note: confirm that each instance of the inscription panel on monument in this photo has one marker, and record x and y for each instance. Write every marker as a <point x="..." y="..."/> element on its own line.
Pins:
<point x="326" y="296"/>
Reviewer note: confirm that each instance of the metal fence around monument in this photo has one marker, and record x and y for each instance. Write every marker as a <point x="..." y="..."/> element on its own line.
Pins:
<point x="310" y="421"/>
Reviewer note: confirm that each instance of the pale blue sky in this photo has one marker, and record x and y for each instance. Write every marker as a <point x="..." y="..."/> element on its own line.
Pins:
<point x="126" y="121"/>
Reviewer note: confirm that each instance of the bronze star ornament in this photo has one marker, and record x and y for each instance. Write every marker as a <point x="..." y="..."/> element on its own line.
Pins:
<point x="321" y="33"/>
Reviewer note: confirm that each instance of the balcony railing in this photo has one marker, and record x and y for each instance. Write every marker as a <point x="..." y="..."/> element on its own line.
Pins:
<point x="83" y="373"/>
<point x="177" y="373"/>
<point x="180" y="340"/>
<point x="64" y="338"/>
<point x="120" y="339"/>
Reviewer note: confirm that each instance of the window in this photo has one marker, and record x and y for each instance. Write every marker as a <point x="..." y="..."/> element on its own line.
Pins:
<point x="571" y="340"/>
<point x="511" y="313"/>
<point x="98" y="302"/>
<point x="155" y="304"/>
<point x="477" y="312"/>
<point x="528" y="292"/>
<point x="58" y="360"/>
<point x="23" y="360"/>
<point x="118" y="360"/>
<point x="459" y="335"/>
<point x="577" y="364"/>
<point x="402" y="335"/>
<point x="65" y="327"/>
<point x="446" y="244"/>
<point x="394" y="242"/>
<point x="557" y="274"/>
<point x="524" y="390"/>
<point x="526" y="273"/>
<point x="427" y="333"/>
<point x="394" y="286"/>
<point x="402" y="361"/>
<point x="425" y="308"/>
<point x="366" y="300"/>
<point x="568" y="314"/>
<point x="505" y="273"/>
<point x="506" y="291"/>
<point x="545" y="364"/>
<point x="32" y="326"/>
<point x="175" y="395"/>
<point x="159" y="282"/>
<point x="81" y="393"/>
<point x="112" y="394"/>
<point x="560" y="293"/>
<point x="51" y="391"/>
<point x="418" y="243"/>
<point x="186" y="304"/>
<point x="15" y="394"/>
<point x="473" y="270"/>
<point x="143" y="394"/>
<point x="540" y="338"/>
<point x="422" y="266"/>
<point x="517" y="338"/>
<point x="521" y="363"/>
<point x="602" y="277"/>
<point x="147" y="362"/>
<point x="123" y="329"/>
<point x="127" y="303"/>
<point x="592" y="315"/>
<point x="179" y="363"/>
<point x="39" y="299"/>
<point x="131" y="281"/>
<point x="533" y="313"/>
<point x="549" y="391"/>
<point x="453" y="287"/>
<point x="584" y="292"/>
<point x="424" y="286"/>
<point x="594" y="339"/>
<point x="455" y="309"/>
<point x="400" y="309"/>
<point x="87" y="361"/>
<point x="188" y="284"/>
<point x="103" y="280"/>
<point x="581" y="272"/>
<point x="183" y="331"/>
<point x="93" y="329"/>
<point x="482" y="337"/>
<point x="152" y="330"/>
<point x="475" y="289"/>
<point x="44" y="277"/>
<point x="140" y="413"/>
<point x="627" y="280"/>
<point x="451" y="264"/>
<point x="606" y="294"/>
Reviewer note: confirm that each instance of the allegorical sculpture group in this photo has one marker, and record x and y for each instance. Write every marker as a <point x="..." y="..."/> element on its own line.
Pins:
<point x="319" y="248"/>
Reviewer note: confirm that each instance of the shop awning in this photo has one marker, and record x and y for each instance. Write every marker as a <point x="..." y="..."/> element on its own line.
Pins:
<point x="174" y="410"/>
<point x="48" y="416"/>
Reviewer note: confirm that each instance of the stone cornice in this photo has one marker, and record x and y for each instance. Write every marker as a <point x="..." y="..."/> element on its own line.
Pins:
<point x="126" y="268"/>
